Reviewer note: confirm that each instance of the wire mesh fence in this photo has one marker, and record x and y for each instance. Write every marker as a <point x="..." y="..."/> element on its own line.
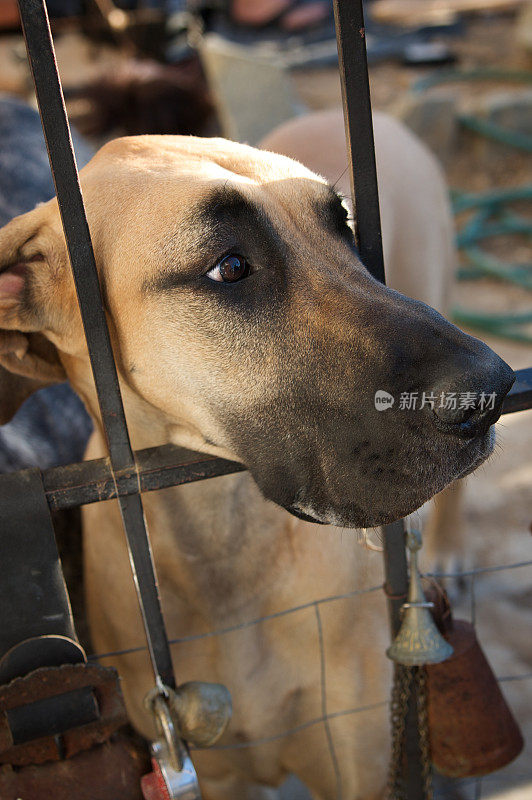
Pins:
<point x="466" y="788"/>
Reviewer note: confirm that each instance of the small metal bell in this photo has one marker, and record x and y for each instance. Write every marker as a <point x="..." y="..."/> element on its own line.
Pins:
<point x="419" y="640"/>
<point x="202" y="711"/>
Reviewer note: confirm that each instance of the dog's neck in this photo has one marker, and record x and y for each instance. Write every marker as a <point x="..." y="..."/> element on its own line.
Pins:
<point x="206" y="533"/>
<point x="210" y="531"/>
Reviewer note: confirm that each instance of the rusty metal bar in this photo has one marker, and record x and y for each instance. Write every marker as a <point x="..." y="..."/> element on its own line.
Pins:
<point x="158" y="468"/>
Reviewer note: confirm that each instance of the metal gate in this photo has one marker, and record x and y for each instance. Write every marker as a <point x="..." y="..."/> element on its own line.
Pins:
<point x="28" y="497"/>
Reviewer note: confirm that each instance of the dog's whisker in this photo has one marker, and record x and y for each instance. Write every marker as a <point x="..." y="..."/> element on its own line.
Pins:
<point x="338" y="179"/>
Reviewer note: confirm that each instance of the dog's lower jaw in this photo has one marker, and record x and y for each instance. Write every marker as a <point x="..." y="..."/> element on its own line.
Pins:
<point x="485" y="453"/>
<point x="329" y="517"/>
<point x="308" y="512"/>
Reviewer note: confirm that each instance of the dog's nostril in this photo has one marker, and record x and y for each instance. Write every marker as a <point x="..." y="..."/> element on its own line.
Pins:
<point x="479" y="422"/>
<point x="471" y="420"/>
<point x="471" y="412"/>
<point x="455" y="410"/>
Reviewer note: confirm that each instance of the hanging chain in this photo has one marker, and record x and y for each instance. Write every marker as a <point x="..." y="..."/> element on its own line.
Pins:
<point x="423" y="727"/>
<point x="399" y="706"/>
<point x="406" y="680"/>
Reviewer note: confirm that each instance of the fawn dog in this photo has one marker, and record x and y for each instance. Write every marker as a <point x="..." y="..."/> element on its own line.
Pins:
<point x="418" y="244"/>
<point x="245" y="326"/>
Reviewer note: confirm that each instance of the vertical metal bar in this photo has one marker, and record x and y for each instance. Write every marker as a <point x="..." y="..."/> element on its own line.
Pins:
<point x="395" y="572"/>
<point x="350" y="33"/>
<point x="351" y="41"/>
<point x="41" y="56"/>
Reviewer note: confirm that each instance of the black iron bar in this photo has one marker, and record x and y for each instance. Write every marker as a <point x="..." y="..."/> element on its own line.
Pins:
<point x="158" y="468"/>
<point x="354" y="76"/>
<point x="351" y="41"/>
<point x="350" y="36"/>
<point x="41" y="56"/>
<point x="520" y="396"/>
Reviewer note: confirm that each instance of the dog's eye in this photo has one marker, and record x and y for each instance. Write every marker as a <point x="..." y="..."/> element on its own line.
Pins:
<point x="230" y="269"/>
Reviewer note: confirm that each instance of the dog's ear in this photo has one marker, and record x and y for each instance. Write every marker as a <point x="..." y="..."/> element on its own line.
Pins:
<point x="32" y="266"/>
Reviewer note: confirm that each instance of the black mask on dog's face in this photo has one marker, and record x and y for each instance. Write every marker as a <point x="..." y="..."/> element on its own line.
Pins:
<point x="302" y="345"/>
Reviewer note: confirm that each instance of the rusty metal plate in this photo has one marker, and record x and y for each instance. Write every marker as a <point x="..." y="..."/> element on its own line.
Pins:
<point x="111" y="771"/>
<point x="48" y="682"/>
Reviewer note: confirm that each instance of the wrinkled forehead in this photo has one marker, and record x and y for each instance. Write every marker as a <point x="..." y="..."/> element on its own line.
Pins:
<point x="149" y="159"/>
<point x="151" y="195"/>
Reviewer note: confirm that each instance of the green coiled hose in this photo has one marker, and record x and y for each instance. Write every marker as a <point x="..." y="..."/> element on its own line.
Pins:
<point x="492" y="216"/>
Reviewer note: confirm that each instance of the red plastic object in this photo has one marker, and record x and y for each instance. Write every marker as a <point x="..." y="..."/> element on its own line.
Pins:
<point x="153" y="784"/>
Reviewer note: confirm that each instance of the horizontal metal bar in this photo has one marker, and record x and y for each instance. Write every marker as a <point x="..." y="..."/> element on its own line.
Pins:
<point x="158" y="468"/>
<point x="520" y="396"/>
<point x="168" y="465"/>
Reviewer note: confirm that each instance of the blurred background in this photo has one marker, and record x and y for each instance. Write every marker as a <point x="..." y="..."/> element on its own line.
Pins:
<point x="458" y="73"/>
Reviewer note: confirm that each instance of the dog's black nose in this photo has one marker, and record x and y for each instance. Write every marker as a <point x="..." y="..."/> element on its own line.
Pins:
<point x="470" y="400"/>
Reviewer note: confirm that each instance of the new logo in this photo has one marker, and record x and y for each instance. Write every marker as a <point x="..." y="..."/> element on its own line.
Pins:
<point x="383" y="400"/>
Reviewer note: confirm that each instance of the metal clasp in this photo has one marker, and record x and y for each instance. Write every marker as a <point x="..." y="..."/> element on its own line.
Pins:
<point x="173" y="776"/>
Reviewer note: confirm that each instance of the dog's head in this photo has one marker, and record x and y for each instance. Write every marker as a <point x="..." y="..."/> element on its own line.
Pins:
<point x="243" y="319"/>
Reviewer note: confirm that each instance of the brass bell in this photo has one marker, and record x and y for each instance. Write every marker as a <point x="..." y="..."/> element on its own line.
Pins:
<point x="419" y="640"/>
<point x="202" y="711"/>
